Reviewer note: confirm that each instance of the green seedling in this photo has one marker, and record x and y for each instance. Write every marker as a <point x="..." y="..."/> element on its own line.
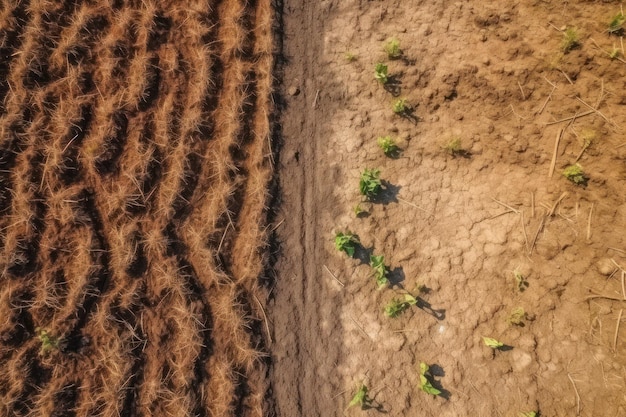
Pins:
<point x="614" y="54"/>
<point x="400" y="106"/>
<point x="615" y="25"/>
<point x="396" y="307"/>
<point x="380" y="73"/>
<point x="517" y="317"/>
<point x="575" y="174"/>
<point x="350" y="57"/>
<point x="380" y="270"/>
<point x="454" y="147"/>
<point x="388" y="145"/>
<point x="392" y="47"/>
<point x="360" y="398"/>
<point x="588" y="136"/>
<point x="492" y="343"/>
<point x="571" y="39"/>
<point x="425" y="384"/>
<point x="528" y="414"/>
<point x="347" y="242"/>
<point x="370" y="184"/>
<point x="48" y="342"/>
<point x="358" y="210"/>
<point x="520" y="280"/>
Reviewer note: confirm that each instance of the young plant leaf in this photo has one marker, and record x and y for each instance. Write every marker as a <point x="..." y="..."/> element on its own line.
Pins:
<point x="520" y="280"/>
<point x="492" y="343"/>
<point x="370" y="184"/>
<point x="48" y="342"/>
<point x="380" y="270"/>
<point x="615" y="25"/>
<point x="380" y="73"/>
<point x="392" y="47"/>
<point x="425" y="384"/>
<point x="575" y="174"/>
<point x="346" y="242"/>
<point x="394" y="308"/>
<point x="409" y="299"/>
<point x="360" y="398"/>
<point x="427" y="387"/>
<point x="388" y="145"/>
<point x="528" y="414"/>
<point x="400" y="106"/>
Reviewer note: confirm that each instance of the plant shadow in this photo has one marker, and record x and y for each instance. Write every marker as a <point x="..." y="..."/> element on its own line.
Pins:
<point x="393" y="85"/>
<point x="425" y="306"/>
<point x="408" y="61"/>
<point x="463" y="153"/>
<point x="409" y="114"/>
<point x="363" y="254"/>
<point x="395" y="154"/>
<point x="437" y="371"/>
<point x="373" y="404"/>
<point x="396" y="277"/>
<point x="388" y="194"/>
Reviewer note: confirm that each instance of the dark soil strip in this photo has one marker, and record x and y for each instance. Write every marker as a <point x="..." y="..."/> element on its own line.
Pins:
<point x="65" y="400"/>
<point x="11" y="41"/>
<point x="152" y="85"/>
<point x="197" y="292"/>
<point x="182" y="205"/>
<point x="98" y="280"/>
<point x="69" y="171"/>
<point x="126" y="318"/>
<point x="159" y="31"/>
<point x="107" y="161"/>
<point x="26" y="252"/>
<point x="10" y="148"/>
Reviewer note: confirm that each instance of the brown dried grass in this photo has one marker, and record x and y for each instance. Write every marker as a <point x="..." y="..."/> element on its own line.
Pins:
<point x="182" y="197"/>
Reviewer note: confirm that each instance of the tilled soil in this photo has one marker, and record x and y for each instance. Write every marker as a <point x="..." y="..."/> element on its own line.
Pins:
<point x="135" y="163"/>
<point x="461" y="226"/>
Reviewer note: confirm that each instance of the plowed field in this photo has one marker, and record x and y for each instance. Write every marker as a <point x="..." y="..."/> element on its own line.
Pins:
<point x="135" y="164"/>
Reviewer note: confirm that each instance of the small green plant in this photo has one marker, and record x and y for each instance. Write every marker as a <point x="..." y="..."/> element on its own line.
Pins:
<point x="615" y="52"/>
<point x="425" y="384"/>
<point x="380" y="270"/>
<point x="453" y="147"/>
<point x="588" y="136"/>
<point x="48" y="342"/>
<point x="396" y="307"/>
<point x="370" y="184"/>
<point x="400" y="106"/>
<point x="392" y="47"/>
<point x="571" y="39"/>
<point x="520" y="281"/>
<point x="517" y="317"/>
<point x="380" y="73"/>
<point x="350" y="57"/>
<point x="528" y="414"/>
<point x="360" y="398"/>
<point x="615" y="25"/>
<point x="358" y="210"/>
<point x="575" y="174"/>
<point x="347" y="242"/>
<point x="492" y="343"/>
<point x="388" y="145"/>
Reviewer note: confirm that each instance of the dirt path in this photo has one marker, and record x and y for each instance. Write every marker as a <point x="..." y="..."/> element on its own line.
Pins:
<point x="298" y="363"/>
<point x="495" y="76"/>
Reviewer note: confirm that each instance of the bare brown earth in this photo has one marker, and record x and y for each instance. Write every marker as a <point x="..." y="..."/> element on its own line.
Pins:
<point x="491" y="73"/>
<point x="135" y="161"/>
